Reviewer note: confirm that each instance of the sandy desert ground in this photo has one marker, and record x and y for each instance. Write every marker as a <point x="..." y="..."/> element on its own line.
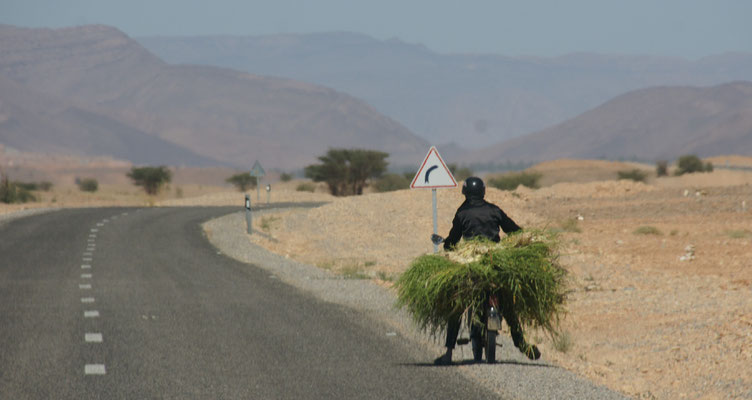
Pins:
<point x="661" y="271"/>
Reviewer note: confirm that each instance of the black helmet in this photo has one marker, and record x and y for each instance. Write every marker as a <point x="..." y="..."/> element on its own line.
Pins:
<point x="474" y="187"/>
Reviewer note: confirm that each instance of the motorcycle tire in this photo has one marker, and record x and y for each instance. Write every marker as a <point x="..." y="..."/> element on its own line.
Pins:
<point x="491" y="346"/>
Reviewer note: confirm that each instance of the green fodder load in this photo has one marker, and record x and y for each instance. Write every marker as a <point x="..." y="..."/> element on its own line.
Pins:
<point x="522" y="270"/>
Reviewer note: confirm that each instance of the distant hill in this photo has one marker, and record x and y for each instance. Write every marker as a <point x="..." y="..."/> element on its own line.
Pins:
<point x="36" y="122"/>
<point x="472" y="99"/>
<point x="659" y="123"/>
<point x="106" y="84"/>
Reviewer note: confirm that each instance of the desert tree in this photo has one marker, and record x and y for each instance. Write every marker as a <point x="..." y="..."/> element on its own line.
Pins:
<point x="243" y="181"/>
<point x="690" y="163"/>
<point x="150" y="178"/>
<point x="88" y="185"/>
<point x="347" y="171"/>
<point x="460" y="173"/>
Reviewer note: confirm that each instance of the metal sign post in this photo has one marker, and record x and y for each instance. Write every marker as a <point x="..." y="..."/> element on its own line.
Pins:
<point x="248" y="218"/>
<point x="258" y="172"/>
<point x="433" y="174"/>
<point x="435" y="219"/>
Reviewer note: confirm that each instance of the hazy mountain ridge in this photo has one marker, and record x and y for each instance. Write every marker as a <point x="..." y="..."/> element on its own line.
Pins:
<point x="477" y="99"/>
<point x="40" y="123"/>
<point x="228" y="116"/>
<point x="647" y="124"/>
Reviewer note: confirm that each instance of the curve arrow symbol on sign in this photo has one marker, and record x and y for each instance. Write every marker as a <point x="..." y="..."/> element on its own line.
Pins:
<point x="429" y="172"/>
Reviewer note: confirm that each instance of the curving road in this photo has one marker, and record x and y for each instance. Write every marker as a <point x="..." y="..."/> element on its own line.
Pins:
<point x="136" y="304"/>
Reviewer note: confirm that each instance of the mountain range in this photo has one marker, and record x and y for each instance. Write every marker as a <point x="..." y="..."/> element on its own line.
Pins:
<point x="94" y="89"/>
<point x="474" y="100"/>
<point x="660" y="123"/>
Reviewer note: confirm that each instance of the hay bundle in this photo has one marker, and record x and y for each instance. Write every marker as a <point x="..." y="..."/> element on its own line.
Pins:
<point x="522" y="270"/>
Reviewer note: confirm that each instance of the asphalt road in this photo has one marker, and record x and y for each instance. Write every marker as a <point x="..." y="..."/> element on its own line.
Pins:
<point x="136" y="304"/>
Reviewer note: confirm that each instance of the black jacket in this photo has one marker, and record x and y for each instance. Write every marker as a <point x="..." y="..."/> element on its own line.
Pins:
<point x="477" y="217"/>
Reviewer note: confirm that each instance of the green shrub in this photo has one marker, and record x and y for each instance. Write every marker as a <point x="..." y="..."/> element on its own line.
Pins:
<point x="391" y="182"/>
<point x="647" y="230"/>
<point x="45" y="186"/>
<point x="88" y="185"/>
<point x="635" y="175"/>
<point x="688" y="164"/>
<point x="306" y="187"/>
<point x="512" y="180"/>
<point x="353" y="272"/>
<point x="739" y="234"/>
<point x="28" y="186"/>
<point x="285" y="177"/>
<point x="12" y="192"/>
<point x="266" y="222"/>
<point x="661" y="168"/>
<point x="460" y="173"/>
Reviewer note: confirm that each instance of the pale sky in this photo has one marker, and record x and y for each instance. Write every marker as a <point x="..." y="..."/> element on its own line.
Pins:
<point x="685" y="28"/>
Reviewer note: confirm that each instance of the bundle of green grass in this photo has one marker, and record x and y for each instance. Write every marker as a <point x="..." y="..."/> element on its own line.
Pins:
<point x="522" y="270"/>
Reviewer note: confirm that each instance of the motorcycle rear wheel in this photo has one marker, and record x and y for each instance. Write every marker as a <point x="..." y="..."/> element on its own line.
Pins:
<point x="491" y="346"/>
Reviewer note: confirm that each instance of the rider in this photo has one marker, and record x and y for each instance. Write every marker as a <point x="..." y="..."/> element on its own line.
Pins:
<point x="478" y="218"/>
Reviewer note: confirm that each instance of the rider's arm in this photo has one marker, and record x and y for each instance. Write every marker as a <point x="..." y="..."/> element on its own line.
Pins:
<point x="507" y="224"/>
<point x="455" y="234"/>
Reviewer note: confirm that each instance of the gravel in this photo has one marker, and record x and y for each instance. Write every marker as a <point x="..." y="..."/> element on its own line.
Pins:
<point x="7" y="217"/>
<point x="514" y="376"/>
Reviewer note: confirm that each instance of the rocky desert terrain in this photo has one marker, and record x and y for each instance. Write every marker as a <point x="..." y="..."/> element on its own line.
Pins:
<point x="661" y="272"/>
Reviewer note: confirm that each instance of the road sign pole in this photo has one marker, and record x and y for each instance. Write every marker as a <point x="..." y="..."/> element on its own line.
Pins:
<point x="435" y="219"/>
<point x="258" y="190"/>
<point x="432" y="174"/>
<point x="248" y="218"/>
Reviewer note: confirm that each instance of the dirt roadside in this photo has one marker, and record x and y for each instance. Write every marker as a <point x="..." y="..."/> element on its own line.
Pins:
<point x="662" y="272"/>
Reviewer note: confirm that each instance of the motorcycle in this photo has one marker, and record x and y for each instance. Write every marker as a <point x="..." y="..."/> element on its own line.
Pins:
<point x="489" y="327"/>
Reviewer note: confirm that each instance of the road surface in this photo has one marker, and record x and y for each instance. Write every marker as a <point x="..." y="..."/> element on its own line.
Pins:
<point x="136" y="304"/>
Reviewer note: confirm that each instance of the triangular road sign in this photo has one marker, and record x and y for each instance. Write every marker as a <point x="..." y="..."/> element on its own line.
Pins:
<point x="433" y="173"/>
<point x="257" y="170"/>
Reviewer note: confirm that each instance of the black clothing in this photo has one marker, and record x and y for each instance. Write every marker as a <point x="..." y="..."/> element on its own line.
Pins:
<point x="477" y="217"/>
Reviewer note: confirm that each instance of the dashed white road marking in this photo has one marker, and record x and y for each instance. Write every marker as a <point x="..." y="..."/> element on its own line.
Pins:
<point x="87" y="299"/>
<point x="84" y="286"/>
<point x="85" y="266"/>
<point x="91" y="314"/>
<point x="94" y="369"/>
<point x="87" y="259"/>
<point x="93" y="337"/>
<point x="94" y="230"/>
<point x="88" y="253"/>
<point x="86" y="276"/>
